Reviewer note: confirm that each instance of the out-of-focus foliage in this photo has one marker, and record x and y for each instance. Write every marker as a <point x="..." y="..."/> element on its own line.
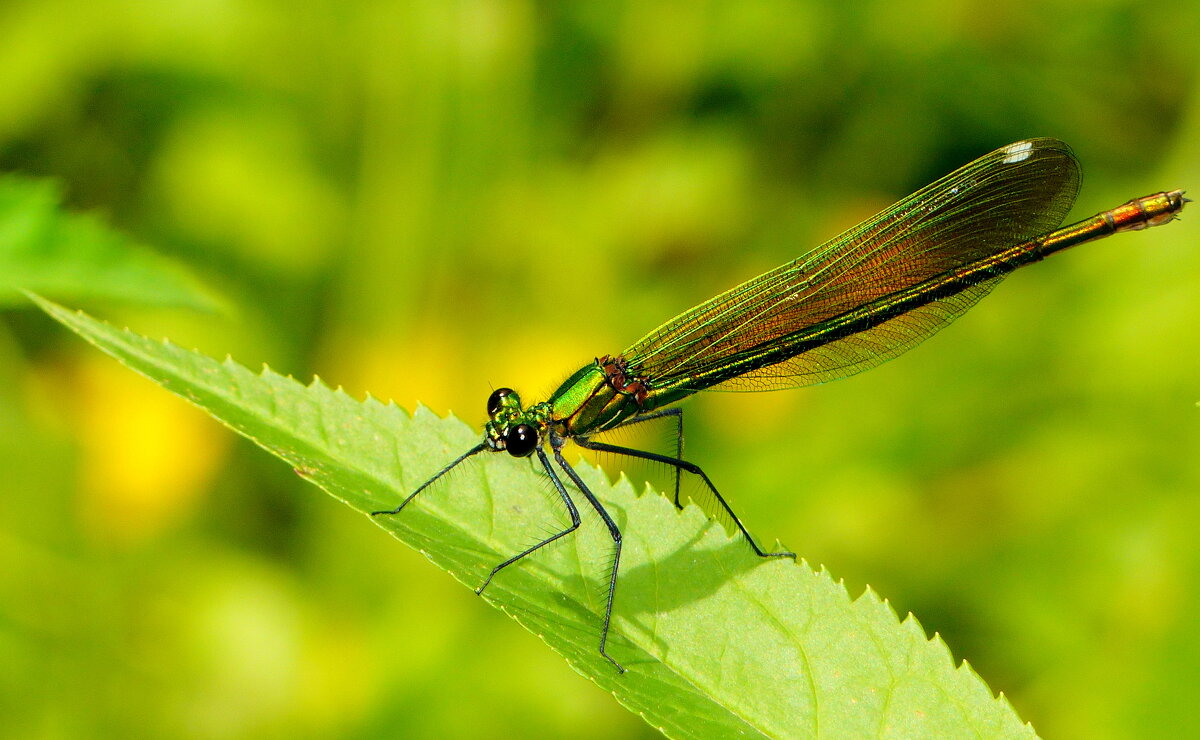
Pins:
<point x="43" y="248"/>
<point x="428" y="200"/>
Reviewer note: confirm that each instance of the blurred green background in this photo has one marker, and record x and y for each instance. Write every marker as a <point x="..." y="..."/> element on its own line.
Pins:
<point x="429" y="200"/>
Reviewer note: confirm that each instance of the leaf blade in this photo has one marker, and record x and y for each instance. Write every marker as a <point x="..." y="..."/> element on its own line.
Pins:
<point x="718" y="643"/>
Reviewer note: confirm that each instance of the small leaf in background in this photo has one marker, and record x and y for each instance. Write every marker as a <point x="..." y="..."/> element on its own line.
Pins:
<point x="717" y="643"/>
<point x="45" y="249"/>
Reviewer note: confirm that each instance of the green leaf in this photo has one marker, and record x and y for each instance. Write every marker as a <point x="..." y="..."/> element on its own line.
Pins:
<point x="718" y="643"/>
<point x="47" y="250"/>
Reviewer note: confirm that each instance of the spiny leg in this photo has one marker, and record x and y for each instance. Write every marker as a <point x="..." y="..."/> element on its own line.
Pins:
<point x="562" y="491"/>
<point x="473" y="451"/>
<point x="615" y="532"/>
<point x="678" y="414"/>
<point x="691" y="468"/>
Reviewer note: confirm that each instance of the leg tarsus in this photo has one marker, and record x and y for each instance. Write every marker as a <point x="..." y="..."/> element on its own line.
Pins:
<point x="615" y="532"/>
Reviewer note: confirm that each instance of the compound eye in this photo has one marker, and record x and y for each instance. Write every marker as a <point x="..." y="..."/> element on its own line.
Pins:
<point x="500" y="398"/>
<point x="520" y="440"/>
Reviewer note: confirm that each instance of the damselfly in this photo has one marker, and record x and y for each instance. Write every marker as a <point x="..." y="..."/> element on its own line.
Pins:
<point x="860" y="299"/>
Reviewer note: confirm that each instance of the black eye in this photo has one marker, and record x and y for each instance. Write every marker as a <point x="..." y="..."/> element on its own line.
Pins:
<point x="496" y="401"/>
<point x="520" y="440"/>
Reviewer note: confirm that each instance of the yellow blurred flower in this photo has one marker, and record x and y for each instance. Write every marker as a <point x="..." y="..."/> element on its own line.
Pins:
<point x="147" y="456"/>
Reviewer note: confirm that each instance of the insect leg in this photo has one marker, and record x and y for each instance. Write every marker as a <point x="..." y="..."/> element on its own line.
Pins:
<point x="562" y="491"/>
<point x="473" y="451"/>
<point x="615" y="532"/>
<point x="677" y="414"/>
<point x="690" y="468"/>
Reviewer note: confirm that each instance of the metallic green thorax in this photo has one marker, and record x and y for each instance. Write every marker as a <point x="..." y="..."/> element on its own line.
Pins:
<point x="601" y="395"/>
<point x="598" y="396"/>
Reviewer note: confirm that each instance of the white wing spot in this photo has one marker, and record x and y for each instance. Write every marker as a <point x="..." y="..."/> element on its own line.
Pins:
<point x="1017" y="152"/>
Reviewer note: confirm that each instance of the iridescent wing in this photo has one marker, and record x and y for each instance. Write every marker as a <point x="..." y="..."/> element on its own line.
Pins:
<point x="1002" y="199"/>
